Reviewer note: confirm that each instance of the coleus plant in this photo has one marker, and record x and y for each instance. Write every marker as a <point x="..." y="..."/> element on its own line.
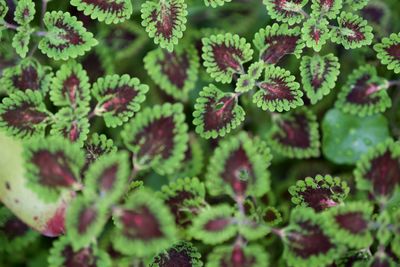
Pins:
<point x="199" y="148"/>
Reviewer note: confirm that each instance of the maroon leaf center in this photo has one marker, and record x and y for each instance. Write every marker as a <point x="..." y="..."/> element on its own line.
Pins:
<point x="175" y="67"/>
<point x="86" y="217"/>
<point x="13" y="228"/>
<point x="384" y="174"/>
<point x="141" y="223"/>
<point x="24" y="117"/>
<point x="28" y="79"/>
<point x="71" y="87"/>
<point x="107" y="6"/>
<point x="394" y="51"/>
<point x="227" y="57"/>
<point x="219" y="112"/>
<point x="70" y="35"/>
<point x="119" y="99"/>
<point x="357" y="34"/>
<point x="175" y="258"/>
<point x="312" y="241"/>
<point x="238" y="171"/>
<point x="359" y="93"/>
<point x="294" y="132"/>
<point x="276" y="89"/>
<point x="81" y="258"/>
<point x="156" y="138"/>
<point x="175" y="204"/>
<point x="166" y="19"/>
<point x="353" y="222"/>
<point x="278" y="47"/>
<point x="237" y="259"/>
<point x="54" y="168"/>
<point x="108" y="177"/>
<point x="318" y="198"/>
<point x="216" y="225"/>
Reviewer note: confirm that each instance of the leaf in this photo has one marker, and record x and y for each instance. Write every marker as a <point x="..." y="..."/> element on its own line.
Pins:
<point x="388" y="51"/>
<point x="224" y="55"/>
<point x="85" y="220"/>
<point x="174" y="72"/>
<point x="319" y="75"/>
<point x="216" y="3"/>
<point x="308" y="243"/>
<point x="286" y="10"/>
<point x="271" y="216"/>
<point x="349" y="224"/>
<point x="158" y="138"/>
<point x="347" y="137"/>
<point x="180" y="254"/>
<point x="181" y="196"/>
<point x="378" y="170"/>
<point x="109" y="11"/>
<point x="165" y="21"/>
<point x="214" y="225"/>
<point x="247" y="81"/>
<point x="119" y="98"/>
<point x="23" y="114"/>
<point x="3" y="9"/>
<point x="276" y="41"/>
<point x="95" y="147"/>
<point x="71" y="124"/>
<point x="353" y="31"/>
<point x="52" y="166"/>
<point x="278" y="91"/>
<point x="14" y="234"/>
<point x="62" y="254"/>
<point x="238" y="167"/>
<point x="364" y="93"/>
<point x="248" y="255"/>
<point x="356" y="4"/>
<point x="28" y="74"/>
<point x="21" y="40"/>
<point x="315" y="33"/>
<point x="144" y="225"/>
<point x="24" y="12"/>
<point x="66" y="37"/>
<point x="216" y="113"/>
<point x="107" y="178"/>
<point x="70" y="86"/>
<point x="319" y="193"/>
<point x="328" y="8"/>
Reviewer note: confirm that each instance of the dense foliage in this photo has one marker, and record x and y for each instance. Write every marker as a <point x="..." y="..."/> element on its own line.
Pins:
<point x="216" y="133"/>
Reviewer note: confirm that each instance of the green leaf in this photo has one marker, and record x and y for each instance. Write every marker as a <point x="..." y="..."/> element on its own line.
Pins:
<point x="119" y="98"/>
<point x="214" y="225"/>
<point x="85" y="220"/>
<point x="307" y="242"/>
<point x="224" y="55"/>
<point x="21" y="40"/>
<point x="107" y="178"/>
<point x="388" y="52"/>
<point x="378" y="170"/>
<point x="174" y="72"/>
<point x="71" y="124"/>
<point x="364" y="93"/>
<point x="286" y="10"/>
<point x="165" y="21"/>
<point x="70" y="86"/>
<point x="3" y="9"/>
<point x="216" y="113"/>
<point x="276" y="41"/>
<point x="315" y="33"/>
<point x="328" y="8"/>
<point x="356" y="4"/>
<point x="319" y="75"/>
<point x="247" y="81"/>
<point x="66" y="37"/>
<point x="62" y="254"/>
<point x="53" y="166"/>
<point x="216" y="3"/>
<point x="109" y="11"/>
<point x="23" y="114"/>
<point x="278" y="91"/>
<point x="180" y="254"/>
<point x="97" y="146"/>
<point x="248" y="255"/>
<point x="295" y="134"/>
<point x="144" y="225"/>
<point x="349" y="224"/>
<point x="158" y="138"/>
<point x="24" y="12"/>
<point x="238" y="167"/>
<point x="353" y="31"/>
<point x="319" y="193"/>
<point x="182" y="195"/>
<point x="14" y="234"/>
<point x="28" y="74"/>
<point x="347" y="137"/>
